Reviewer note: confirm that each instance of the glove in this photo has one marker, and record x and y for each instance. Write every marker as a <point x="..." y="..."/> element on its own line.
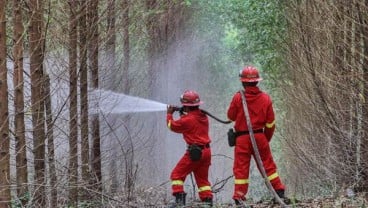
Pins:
<point x="170" y="109"/>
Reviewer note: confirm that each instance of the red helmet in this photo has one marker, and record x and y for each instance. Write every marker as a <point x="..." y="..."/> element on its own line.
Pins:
<point x="249" y="74"/>
<point x="190" y="98"/>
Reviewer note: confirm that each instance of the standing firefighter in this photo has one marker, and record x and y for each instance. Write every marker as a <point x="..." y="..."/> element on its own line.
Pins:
<point x="193" y="124"/>
<point x="262" y="119"/>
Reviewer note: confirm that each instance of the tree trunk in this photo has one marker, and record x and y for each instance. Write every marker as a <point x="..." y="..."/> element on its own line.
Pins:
<point x="4" y="127"/>
<point x="83" y="93"/>
<point x="19" y="126"/>
<point x="112" y="72"/>
<point x="73" y="111"/>
<point x="113" y="80"/>
<point x="50" y="142"/>
<point x="36" y="44"/>
<point x="92" y="17"/>
<point x="126" y="46"/>
<point x="155" y="45"/>
<point x="364" y="97"/>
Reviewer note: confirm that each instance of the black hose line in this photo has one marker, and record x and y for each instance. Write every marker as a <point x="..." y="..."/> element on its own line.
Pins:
<point x="214" y="117"/>
<point x="181" y="111"/>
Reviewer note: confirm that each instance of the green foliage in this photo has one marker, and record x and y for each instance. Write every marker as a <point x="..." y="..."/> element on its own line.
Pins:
<point x="17" y="203"/>
<point x="252" y="30"/>
<point x="260" y="26"/>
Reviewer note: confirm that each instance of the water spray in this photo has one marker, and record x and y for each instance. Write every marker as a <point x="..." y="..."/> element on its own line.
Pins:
<point x="108" y="102"/>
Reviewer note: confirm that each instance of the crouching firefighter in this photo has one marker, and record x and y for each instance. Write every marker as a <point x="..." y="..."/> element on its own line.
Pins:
<point x="194" y="126"/>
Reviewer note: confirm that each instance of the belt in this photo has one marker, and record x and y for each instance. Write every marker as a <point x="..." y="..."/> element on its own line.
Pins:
<point x="239" y="133"/>
<point x="202" y="146"/>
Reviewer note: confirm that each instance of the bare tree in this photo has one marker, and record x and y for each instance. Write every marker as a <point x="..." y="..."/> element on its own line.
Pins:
<point x="19" y="126"/>
<point x="4" y="127"/>
<point x="92" y="19"/>
<point x="111" y="66"/>
<point x="50" y="142"/>
<point x="111" y="46"/>
<point x="157" y="46"/>
<point x="363" y="21"/>
<point x="73" y="108"/>
<point x="126" y="46"/>
<point x="326" y="57"/>
<point x="36" y="47"/>
<point x="83" y="91"/>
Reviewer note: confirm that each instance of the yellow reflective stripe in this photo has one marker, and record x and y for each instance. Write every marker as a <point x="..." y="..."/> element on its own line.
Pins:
<point x="273" y="176"/>
<point x="270" y="125"/>
<point x="204" y="188"/>
<point x="241" y="181"/>
<point x="177" y="182"/>
<point x="169" y="125"/>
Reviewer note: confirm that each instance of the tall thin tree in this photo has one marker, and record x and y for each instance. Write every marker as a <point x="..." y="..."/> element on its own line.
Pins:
<point x="19" y="126"/>
<point x="111" y="67"/>
<point x="50" y="141"/>
<point x="126" y="46"/>
<point x="112" y="83"/>
<point x="83" y="91"/>
<point x="4" y="125"/>
<point x="92" y="18"/>
<point x="363" y="20"/>
<point x="36" y="47"/>
<point x="73" y="97"/>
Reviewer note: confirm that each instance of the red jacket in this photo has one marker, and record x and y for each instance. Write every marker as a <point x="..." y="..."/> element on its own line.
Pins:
<point x="260" y="110"/>
<point x="193" y="126"/>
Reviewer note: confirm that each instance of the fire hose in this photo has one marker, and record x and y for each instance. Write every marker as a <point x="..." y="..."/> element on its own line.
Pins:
<point x="214" y="117"/>
<point x="181" y="111"/>
<point x="256" y="152"/>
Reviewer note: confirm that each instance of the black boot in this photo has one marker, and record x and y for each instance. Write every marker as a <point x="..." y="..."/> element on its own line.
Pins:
<point x="239" y="203"/>
<point x="281" y="194"/>
<point x="180" y="199"/>
<point x="208" y="202"/>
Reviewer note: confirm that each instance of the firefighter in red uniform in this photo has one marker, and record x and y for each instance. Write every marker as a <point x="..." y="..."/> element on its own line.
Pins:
<point x="193" y="124"/>
<point x="263" y="122"/>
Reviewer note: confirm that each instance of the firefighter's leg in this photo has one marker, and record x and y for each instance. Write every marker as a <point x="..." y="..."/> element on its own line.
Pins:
<point x="269" y="164"/>
<point x="179" y="173"/>
<point x="242" y="157"/>
<point x="201" y="177"/>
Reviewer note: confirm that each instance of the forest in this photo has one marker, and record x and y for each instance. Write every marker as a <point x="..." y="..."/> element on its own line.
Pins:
<point x="62" y="61"/>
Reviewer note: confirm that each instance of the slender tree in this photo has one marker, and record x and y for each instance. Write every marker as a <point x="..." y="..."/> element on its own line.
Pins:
<point x="126" y="46"/>
<point x="4" y="127"/>
<point x="73" y="97"/>
<point x="50" y="141"/>
<point x="157" y="44"/>
<point x="363" y="20"/>
<point x="92" y="18"/>
<point x="112" y="83"/>
<point x="83" y="90"/>
<point x="113" y="80"/>
<point x="36" y="47"/>
<point x="19" y="127"/>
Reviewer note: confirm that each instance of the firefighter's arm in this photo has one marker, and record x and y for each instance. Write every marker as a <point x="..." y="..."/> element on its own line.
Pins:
<point x="232" y="110"/>
<point x="270" y="123"/>
<point x="269" y="130"/>
<point x="178" y="126"/>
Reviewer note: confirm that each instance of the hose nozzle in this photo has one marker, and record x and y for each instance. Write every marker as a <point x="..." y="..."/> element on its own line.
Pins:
<point x="177" y="108"/>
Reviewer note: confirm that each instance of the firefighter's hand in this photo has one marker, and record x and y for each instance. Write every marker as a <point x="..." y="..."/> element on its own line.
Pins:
<point x="170" y="109"/>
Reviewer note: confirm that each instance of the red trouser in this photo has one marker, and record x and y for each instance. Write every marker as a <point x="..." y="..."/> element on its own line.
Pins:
<point x="200" y="170"/>
<point x="243" y="153"/>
